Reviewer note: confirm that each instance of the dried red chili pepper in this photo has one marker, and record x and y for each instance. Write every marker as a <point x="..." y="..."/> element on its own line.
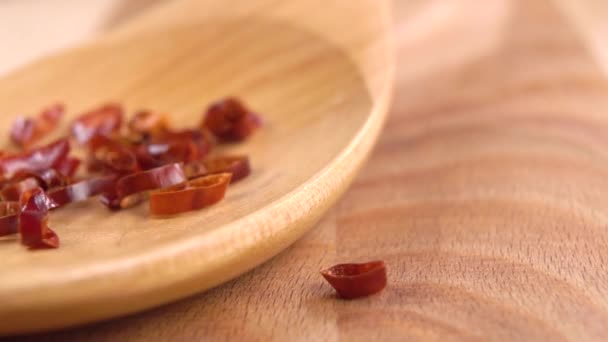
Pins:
<point x="111" y="156"/>
<point x="173" y="147"/>
<point x="356" y="280"/>
<point x="9" y="218"/>
<point x="238" y="166"/>
<point x="13" y="191"/>
<point x="193" y="195"/>
<point x="33" y="220"/>
<point x="229" y="120"/>
<point x="26" y="131"/>
<point x="150" y="143"/>
<point x="82" y="190"/>
<point x="195" y="169"/>
<point x="23" y="131"/>
<point x="153" y="155"/>
<point x="110" y="199"/>
<point x="68" y="167"/>
<point x="146" y="124"/>
<point x="104" y="120"/>
<point x="50" y="178"/>
<point x="47" y="179"/>
<point x="139" y="182"/>
<point x="42" y="158"/>
<point x="201" y="138"/>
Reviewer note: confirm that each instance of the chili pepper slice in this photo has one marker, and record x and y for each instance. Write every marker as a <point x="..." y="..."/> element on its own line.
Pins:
<point x="13" y="191"/>
<point x="33" y="220"/>
<point x="139" y="182"/>
<point x="23" y="131"/>
<point x="238" y="166"/>
<point x="229" y="120"/>
<point x="38" y="159"/>
<point x="111" y="156"/>
<point x="153" y="155"/>
<point x="26" y="131"/>
<point x="145" y="124"/>
<point x="24" y="180"/>
<point x="201" y="139"/>
<point x="356" y="280"/>
<point x="195" y="169"/>
<point x="82" y="190"/>
<point x="9" y="217"/>
<point x="104" y="120"/>
<point x="110" y="199"/>
<point x="193" y="195"/>
<point x="68" y="167"/>
<point x="47" y="179"/>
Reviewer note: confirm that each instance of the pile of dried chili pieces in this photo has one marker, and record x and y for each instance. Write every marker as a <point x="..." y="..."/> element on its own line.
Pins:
<point x="123" y="162"/>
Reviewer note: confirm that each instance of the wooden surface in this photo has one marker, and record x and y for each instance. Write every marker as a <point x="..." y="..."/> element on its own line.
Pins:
<point x="323" y="94"/>
<point x="486" y="196"/>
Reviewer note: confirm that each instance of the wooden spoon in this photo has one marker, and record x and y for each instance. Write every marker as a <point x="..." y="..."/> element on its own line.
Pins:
<point x="319" y="72"/>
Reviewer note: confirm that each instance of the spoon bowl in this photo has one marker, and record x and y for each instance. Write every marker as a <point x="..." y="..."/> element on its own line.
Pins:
<point x="322" y="85"/>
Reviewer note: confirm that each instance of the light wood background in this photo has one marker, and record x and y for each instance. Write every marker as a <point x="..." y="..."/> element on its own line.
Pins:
<point x="487" y="196"/>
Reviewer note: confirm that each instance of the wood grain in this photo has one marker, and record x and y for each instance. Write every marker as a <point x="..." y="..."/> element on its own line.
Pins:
<point x="323" y="94"/>
<point x="486" y="196"/>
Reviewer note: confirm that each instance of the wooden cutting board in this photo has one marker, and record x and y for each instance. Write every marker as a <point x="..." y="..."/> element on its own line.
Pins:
<point x="486" y="196"/>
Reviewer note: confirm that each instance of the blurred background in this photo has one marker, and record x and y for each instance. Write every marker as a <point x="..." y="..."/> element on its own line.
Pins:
<point x="33" y="28"/>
